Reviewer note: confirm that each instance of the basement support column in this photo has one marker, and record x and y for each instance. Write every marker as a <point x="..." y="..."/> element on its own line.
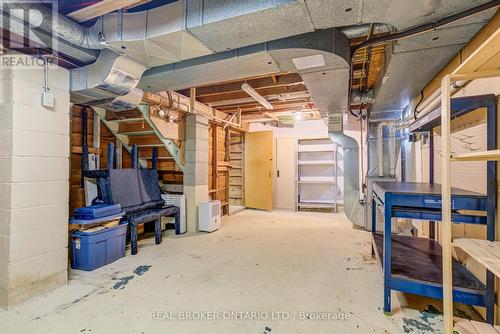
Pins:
<point x="196" y="168"/>
<point x="34" y="185"/>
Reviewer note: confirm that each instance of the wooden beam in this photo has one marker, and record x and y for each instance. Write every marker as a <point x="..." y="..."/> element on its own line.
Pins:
<point x="137" y="126"/>
<point x="100" y="8"/>
<point x="278" y="106"/>
<point x="266" y="91"/>
<point x="119" y="154"/>
<point x="148" y="140"/>
<point x="235" y="86"/>
<point x="446" y="204"/>
<point x="92" y="150"/>
<point x="182" y="104"/>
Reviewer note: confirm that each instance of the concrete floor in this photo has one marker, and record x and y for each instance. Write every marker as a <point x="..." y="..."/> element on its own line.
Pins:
<point x="278" y="264"/>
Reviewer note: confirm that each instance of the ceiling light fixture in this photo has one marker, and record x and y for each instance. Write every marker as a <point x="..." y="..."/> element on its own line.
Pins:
<point x="256" y="96"/>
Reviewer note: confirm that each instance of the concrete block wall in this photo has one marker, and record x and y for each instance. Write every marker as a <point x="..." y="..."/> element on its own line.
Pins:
<point x="196" y="168"/>
<point x="34" y="172"/>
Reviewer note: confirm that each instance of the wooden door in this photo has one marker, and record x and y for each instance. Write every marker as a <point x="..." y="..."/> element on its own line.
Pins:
<point x="259" y="190"/>
<point x="285" y="173"/>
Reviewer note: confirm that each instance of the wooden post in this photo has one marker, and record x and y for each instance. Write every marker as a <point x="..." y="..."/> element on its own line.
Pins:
<point x="97" y="138"/>
<point x="135" y="157"/>
<point x="215" y="161"/>
<point x="85" y="147"/>
<point x="154" y="158"/>
<point x="446" y="205"/>
<point x="111" y="156"/>
<point x="119" y="154"/>
<point x="192" y="99"/>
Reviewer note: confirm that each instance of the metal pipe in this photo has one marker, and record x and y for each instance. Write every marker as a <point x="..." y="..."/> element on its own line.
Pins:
<point x="416" y="31"/>
<point x="428" y="26"/>
<point x="434" y="100"/>
<point x="361" y="30"/>
<point x="380" y="148"/>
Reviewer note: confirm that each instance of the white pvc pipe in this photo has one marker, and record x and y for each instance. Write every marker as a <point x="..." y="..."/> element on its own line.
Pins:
<point x="434" y="100"/>
<point x="380" y="148"/>
<point x="392" y="151"/>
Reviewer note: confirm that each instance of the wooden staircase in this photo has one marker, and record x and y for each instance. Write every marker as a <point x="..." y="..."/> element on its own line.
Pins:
<point x="135" y="127"/>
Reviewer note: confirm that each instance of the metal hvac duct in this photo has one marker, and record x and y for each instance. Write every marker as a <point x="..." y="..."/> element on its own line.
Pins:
<point x="327" y="82"/>
<point x="111" y="76"/>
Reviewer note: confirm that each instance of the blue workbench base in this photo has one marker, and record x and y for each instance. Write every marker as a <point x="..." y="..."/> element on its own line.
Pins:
<point x="417" y="269"/>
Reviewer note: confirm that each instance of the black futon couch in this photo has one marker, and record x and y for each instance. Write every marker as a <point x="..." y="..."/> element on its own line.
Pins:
<point x="138" y="193"/>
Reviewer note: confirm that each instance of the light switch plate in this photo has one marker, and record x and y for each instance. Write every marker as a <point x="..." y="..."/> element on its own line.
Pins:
<point x="48" y="100"/>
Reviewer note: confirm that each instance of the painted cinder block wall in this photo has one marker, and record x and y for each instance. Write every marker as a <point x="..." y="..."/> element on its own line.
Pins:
<point x="34" y="172"/>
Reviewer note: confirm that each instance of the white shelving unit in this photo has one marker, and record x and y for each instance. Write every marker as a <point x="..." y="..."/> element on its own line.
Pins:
<point x="317" y="174"/>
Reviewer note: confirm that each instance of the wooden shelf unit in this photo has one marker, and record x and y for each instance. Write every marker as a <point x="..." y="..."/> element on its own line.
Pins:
<point x="219" y="165"/>
<point x="493" y="155"/>
<point x="483" y="251"/>
<point x="236" y="171"/>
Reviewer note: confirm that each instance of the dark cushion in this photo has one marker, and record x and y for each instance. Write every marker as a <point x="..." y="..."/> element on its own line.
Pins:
<point x="142" y="217"/>
<point x="148" y="184"/>
<point x="125" y="188"/>
<point x="169" y="210"/>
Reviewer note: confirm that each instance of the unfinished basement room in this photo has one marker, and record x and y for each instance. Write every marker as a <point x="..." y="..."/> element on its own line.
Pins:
<point x="249" y="166"/>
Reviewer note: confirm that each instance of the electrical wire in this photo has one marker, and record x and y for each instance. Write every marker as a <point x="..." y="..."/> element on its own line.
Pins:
<point x="416" y="31"/>
<point x="428" y="26"/>
<point x="415" y="112"/>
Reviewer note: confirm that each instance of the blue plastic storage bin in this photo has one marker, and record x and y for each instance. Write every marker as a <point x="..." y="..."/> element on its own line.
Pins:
<point x="91" y="250"/>
<point x="97" y="211"/>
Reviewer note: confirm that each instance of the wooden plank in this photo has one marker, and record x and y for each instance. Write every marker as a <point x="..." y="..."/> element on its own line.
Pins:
<point x="145" y="140"/>
<point x="493" y="155"/>
<point x="257" y="83"/>
<point x="483" y="328"/>
<point x="446" y="206"/>
<point x="100" y="8"/>
<point x="119" y="153"/>
<point x="464" y="326"/>
<point x="215" y="184"/>
<point x="146" y="152"/>
<point x="135" y="126"/>
<point x="259" y="189"/>
<point x="483" y="251"/>
<point x="297" y="88"/>
<point x="78" y="150"/>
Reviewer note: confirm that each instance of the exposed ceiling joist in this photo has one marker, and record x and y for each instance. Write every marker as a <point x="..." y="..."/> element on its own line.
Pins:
<point x="101" y="8"/>
<point x="262" y="91"/>
<point x="258" y="83"/>
<point x="255" y="107"/>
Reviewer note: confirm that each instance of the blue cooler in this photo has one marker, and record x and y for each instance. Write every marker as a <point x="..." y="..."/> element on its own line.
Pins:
<point x="91" y="250"/>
